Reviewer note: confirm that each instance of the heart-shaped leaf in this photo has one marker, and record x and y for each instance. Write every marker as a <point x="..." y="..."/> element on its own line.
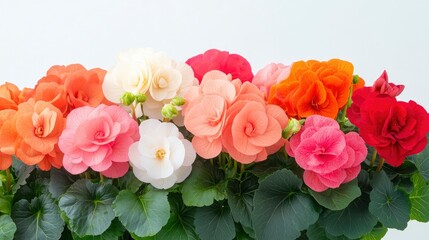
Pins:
<point x="88" y="206"/>
<point x="281" y="210"/>
<point x="205" y="185"/>
<point x="392" y="207"/>
<point x="37" y="220"/>
<point x="7" y="227"/>
<point x="338" y="198"/>
<point x="214" y="222"/>
<point x="144" y="215"/>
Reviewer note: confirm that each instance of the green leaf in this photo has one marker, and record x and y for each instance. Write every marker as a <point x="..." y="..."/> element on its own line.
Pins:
<point x="240" y="200"/>
<point x="281" y="210"/>
<point x="421" y="160"/>
<point x="354" y="221"/>
<point x="7" y="227"/>
<point x="214" y="222"/>
<point x="22" y="172"/>
<point x="376" y="234"/>
<point x="88" y="207"/>
<point x="34" y="188"/>
<point x="180" y="225"/>
<point x="130" y="182"/>
<point x="265" y="168"/>
<point x="419" y="199"/>
<point x="39" y="219"/>
<point x="6" y="204"/>
<point x="205" y="185"/>
<point x="338" y="198"/>
<point x="316" y="232"/>
<point x="241" y="234"/>
<point x="112" y="233"/>
<point x="391" y="206"/>
<point x="144" y="215"/>
<point x="60" y="181"/>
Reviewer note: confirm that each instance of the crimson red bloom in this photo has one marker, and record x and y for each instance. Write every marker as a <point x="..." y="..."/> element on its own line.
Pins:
<point x="395" y="129"/>
<point x="214" y="59"/>
<point x="381" y="87"/>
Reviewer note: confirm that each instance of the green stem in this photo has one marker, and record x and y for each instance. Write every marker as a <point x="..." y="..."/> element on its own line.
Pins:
<point x="8" y="176"/>
<point x="380" y="165"/>
<point x="133" y="111"/>
<point x="101" y="178"/>
<point x="374" y="156"/>
<point x="343" y="117"/>
<point x="87" y="176"/>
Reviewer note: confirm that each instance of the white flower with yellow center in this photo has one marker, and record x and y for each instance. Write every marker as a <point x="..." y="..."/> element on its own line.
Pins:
<point x="162" y="157"/>
<point x="132" y="73"/>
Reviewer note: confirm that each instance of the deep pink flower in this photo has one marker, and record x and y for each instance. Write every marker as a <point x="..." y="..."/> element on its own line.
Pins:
<point x="214" y="59"/>
<point x="98" y="138"/>
<point x="328" y="156"/>
<point x="382" y="86"/>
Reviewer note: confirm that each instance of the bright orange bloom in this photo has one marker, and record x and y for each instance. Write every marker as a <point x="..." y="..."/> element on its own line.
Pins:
<point x="9" y="96"/>
<point x="5" y="157"/>
<point x="70" y="87"/>
<point x="314" y="87"/>
<point x="32" y="134"/>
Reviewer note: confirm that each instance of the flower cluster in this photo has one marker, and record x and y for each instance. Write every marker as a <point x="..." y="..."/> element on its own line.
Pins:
<point x="226" y="114"/>
<point x="250" y="152"/>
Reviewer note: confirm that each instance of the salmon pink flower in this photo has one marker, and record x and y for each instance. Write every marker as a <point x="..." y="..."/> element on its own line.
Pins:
<point x="98" y="138"/>
<point x="328" y="156"/>
<point x="205" y="112"/>
<point x="162" y="157"/>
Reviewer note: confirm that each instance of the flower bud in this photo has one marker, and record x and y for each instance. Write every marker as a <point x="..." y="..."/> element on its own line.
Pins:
<point x="355" y="79"/>
<point x="169" y="111"/>
<point x="127" y="99"/>
<point x="293" y="126"/>
<point x="178" y="101"/>
<point x="140" y="97"/>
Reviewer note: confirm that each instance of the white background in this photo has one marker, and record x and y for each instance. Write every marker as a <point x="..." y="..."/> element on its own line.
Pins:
<point x="373" y="35"/>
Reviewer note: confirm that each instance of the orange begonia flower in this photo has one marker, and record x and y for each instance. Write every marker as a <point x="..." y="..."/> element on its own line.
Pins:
<point x="9" y="96"/>
<point x="32" y="134"/>
<point x="314" y="87"/>
<point x="70" y="87"/>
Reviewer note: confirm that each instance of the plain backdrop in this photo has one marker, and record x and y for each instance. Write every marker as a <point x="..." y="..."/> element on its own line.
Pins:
<point x="373" y="35"/>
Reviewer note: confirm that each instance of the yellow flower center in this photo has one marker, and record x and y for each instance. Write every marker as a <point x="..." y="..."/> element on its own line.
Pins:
<point x="160" y="153"/>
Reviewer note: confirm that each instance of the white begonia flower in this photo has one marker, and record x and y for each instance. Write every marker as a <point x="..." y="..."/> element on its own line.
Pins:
<point x="162" y="157"/>
<point x="132" y="73"/>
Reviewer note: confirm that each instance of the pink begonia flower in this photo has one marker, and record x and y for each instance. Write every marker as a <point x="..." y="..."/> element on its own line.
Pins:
<point x="231" y="116"/>
<point x="382" y="86"/>
<point x="98" y="138"/>
<point x="162" y="157"/>
<point x="269" y="75"/>
<point x="328" y="156"/>
<point x="252" y="127"/>
<point x="205" y="109"/>
<point x="214" y="59"/>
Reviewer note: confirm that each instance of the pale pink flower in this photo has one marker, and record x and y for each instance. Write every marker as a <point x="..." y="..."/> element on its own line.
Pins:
<point x="269" y="75"/>
<point x="328" y="156"/>
<point x="98" y="138"/>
